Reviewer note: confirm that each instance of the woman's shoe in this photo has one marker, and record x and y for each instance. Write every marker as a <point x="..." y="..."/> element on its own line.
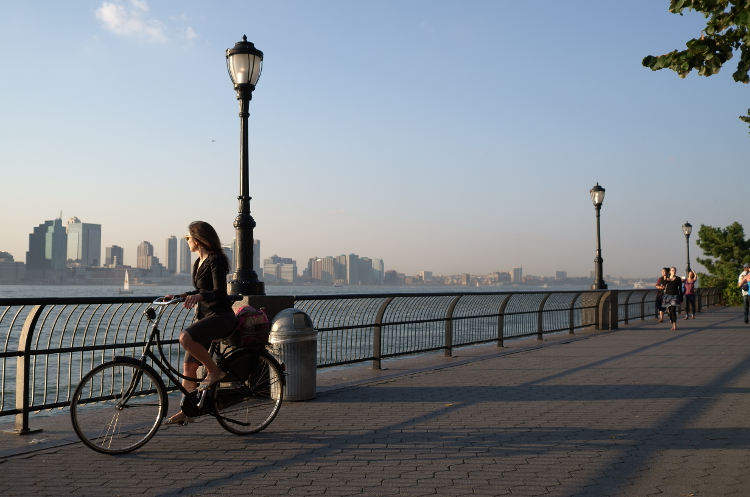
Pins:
<point x="210" y="380"/>
<point x="686" y="317"/>
<point x="179" y="419"/>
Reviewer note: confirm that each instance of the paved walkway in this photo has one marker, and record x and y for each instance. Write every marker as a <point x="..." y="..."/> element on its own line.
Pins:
<point x="639" y="411"/>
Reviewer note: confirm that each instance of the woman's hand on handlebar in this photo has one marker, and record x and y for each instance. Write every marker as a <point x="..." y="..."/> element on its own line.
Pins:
<point x="191" y="300"/>
<point x="167" y="298"/>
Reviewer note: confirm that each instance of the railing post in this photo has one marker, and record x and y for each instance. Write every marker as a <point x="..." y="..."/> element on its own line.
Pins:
<point x="613" y="310"/>
<point x="377" y="339"/>
<point x="449" y="326"/>
<point x="23" y="373"/>
<point x="643" y="306"/>
<point x="540" y="318"/>
<point x="571" y="314"/>
<point x="501" y="320"/>
<point x="627" y="306"/>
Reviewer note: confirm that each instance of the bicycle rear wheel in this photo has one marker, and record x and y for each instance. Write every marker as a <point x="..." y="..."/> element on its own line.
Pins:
<point x="117" y="407"/>
<point x="248" y="399"/>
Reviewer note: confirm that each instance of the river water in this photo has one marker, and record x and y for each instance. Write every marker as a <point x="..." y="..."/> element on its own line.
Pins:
<point x="42" y="291"/>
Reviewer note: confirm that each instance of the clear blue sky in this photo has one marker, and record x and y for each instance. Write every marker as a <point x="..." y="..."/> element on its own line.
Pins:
<point x="437" y="135"/>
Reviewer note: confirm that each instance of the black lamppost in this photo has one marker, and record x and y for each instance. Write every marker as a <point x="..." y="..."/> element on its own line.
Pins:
<point x="244" y="63"/>
<point x="597" y="197"/>
<point x="687" y="228"/>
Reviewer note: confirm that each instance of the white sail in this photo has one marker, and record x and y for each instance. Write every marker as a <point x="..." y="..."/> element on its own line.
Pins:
<point x="126" y="286"/>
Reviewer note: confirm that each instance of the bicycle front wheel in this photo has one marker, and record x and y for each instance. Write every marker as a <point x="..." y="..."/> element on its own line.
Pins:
<point x="118" y="407"/>
<point x="246" y="402"/>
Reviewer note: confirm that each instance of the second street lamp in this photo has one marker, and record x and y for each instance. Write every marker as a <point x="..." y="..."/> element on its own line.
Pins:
<point x="597" y="197"/>
<point x="687" y="228"/>
<point x="244" y="63"/>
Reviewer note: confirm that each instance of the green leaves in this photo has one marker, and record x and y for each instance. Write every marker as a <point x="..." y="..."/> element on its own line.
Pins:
<point x="726" y="250"/>
<point x="727" y="30"/>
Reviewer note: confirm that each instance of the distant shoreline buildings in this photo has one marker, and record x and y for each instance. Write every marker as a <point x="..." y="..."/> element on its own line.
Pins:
<point x="71" y="254"/>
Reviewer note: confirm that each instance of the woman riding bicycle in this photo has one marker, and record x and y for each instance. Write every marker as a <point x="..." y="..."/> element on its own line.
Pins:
<point x="214" y="316"/>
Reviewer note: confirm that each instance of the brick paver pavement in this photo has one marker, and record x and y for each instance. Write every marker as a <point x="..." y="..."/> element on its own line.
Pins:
<point x="640" y="411"/>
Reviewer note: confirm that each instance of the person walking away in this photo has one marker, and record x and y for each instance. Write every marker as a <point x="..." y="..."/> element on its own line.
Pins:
<point x="660" y="294"/>
<point x="689" y="285"/>
<point x="672" y="295"/>
<point x="744" y="279"/>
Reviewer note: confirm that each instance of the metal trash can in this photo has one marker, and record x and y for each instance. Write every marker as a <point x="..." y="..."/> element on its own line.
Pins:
<point x="294" y="342"/>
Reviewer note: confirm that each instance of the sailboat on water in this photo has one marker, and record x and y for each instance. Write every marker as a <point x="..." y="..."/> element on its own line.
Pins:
<point x="126" y="286"/>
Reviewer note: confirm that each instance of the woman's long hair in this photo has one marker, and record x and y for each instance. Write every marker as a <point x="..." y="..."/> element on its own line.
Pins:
<point x="206" y="236"/>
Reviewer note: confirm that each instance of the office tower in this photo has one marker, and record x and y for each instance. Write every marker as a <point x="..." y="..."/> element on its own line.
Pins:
<point x="465" y="279"/>
<point x="185" y="257"/>
<point x="35" y="258"/>
<point x="84" y="242"/>
<point x="517" y="274"/>
<point x="341" y="268"/>
<point x="378" y="272"/>
<point x="256" y="259"/>
<point x="170" y="252"/>
<point x="55" y="245"/>
<point x="279" y="269"/>
<point x="561" y="275"/>
<point x="114" y="256"/>
<point x="352" y="269"/>
<point x="365" y="271"/>
<point x="229" y="252"/>
<point x="426" y="275"/>
<point x="327" y="270"/>
<point x="145" y="255"/>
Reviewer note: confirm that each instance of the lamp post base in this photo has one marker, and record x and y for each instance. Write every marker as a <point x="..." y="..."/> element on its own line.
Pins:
<point x="247" y="288"/>
<point x="599" y="286"/>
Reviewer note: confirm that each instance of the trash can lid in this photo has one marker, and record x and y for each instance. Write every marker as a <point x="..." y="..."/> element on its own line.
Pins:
<point x="292" y="320"/>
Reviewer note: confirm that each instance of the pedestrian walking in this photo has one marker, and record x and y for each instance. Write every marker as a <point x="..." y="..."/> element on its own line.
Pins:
<point x="672" y="295"/>
<point x="660" y="294"/>
<point x="689" y="292"/>
<point x="742" y="282"/>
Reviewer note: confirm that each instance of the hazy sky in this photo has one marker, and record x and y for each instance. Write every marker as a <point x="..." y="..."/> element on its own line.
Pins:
<point x="437" y="135"/>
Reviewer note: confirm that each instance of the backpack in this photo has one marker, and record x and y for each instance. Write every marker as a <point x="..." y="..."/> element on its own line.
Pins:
<point x="252" y="327"/>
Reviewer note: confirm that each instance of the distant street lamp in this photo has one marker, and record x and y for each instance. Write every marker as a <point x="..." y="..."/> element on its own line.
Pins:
<point x="244" y="63"/>
<point x="597" y="197"/>
<point x="687" y="228"/>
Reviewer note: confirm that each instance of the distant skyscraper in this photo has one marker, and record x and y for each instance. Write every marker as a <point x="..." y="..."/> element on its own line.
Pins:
<point x="185" y="257"/>
<point x="561" y="275"/>
<point x="378" y="272"/>
<point x="145" y="255"/>
<point x="341" y="268"/>
<point x="55" y="245"/>
<point x="35" y="257"/>
<point x="229" y="252"/>
<point x="517" y="274"/>
<point x="352" y="269"/>
<point x="426" y="275"/>
<point x="170" y="248"/>
<point x="365" y="271"/>
<point x="114" y="256"/>
<point x="279" y="269"/>
<point x="84" y="242"/>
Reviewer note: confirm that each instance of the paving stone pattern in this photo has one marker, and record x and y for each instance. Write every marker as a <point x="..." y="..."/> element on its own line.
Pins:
<point x="637" y="412"/>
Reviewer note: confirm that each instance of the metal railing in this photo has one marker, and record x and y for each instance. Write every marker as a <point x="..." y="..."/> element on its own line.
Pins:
<point x="49" y="344"/>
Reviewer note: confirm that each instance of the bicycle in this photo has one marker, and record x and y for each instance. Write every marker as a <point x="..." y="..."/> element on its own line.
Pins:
<point x="119" y="406"/>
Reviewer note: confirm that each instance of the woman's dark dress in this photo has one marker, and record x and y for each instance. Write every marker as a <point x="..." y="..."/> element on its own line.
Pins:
<point x="214" y="316"/>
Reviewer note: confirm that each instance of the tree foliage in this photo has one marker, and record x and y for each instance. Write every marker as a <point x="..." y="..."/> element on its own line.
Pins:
<point x="727" y="30"/>
<point x="727" y="250"/>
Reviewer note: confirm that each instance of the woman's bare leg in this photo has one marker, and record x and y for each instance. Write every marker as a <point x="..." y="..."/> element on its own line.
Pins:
<point x="200" y="353"/>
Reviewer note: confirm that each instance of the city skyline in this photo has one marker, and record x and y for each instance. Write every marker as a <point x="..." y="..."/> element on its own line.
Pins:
<point x="45" y="242"/>
<point x="443" y="137"/>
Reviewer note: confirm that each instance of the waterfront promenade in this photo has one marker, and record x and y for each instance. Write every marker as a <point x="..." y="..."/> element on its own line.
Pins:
<point x="637" y="411"/>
